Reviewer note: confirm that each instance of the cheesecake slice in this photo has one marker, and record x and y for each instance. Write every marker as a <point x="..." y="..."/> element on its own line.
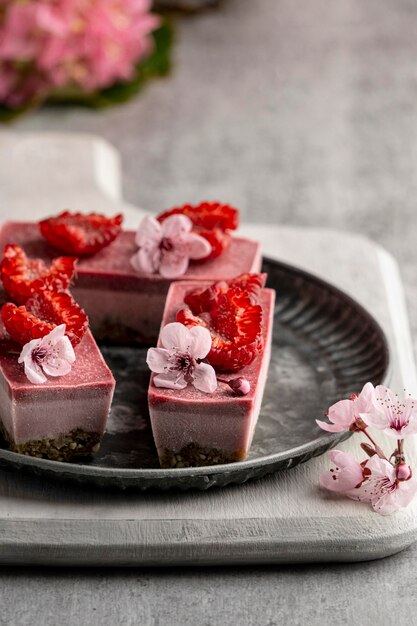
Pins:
<point x="192" y="428"/>
<point x="122" y="304"/>
<point x="65" y="416"/>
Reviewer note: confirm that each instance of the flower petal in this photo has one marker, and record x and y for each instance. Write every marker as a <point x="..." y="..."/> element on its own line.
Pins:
<point x="200" y="344"/>
<point x="365" y="401"/>
<point x="52" y="338"/>
<point x="157" y="359"/>
<point x="146" y="260"/>
<point x="149" y="232"/>
<point x="197" y="247"/>
<point x="341" y="414"/>
<point x="387" y="503"/>
<point x="173" y="264"/>
<point x="56" y="367"/>
<point x="410" y="429"/>
<point x="28" y="349"/>
<point x="331" y="428"/>
<point x="58" y="360"/>
<point x="376" y="419"/>
<point x="176" y="335"/>
<point x="205" y="378"/>
<point x="176" y="226"/>
<point x="385" y="400"/>
<point x="34" y="372"/>
<point x="345" y="476"/>
<point x="64" y="350"/>
<point x="363" y="493"/>
<point x="170" y="380"/>
<point x="380" y="468"/>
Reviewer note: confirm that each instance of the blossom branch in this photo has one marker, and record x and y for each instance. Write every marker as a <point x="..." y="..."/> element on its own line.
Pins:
<point x="387" y="486"/>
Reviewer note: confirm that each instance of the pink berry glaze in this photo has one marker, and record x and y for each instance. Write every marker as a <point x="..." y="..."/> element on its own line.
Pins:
<point x="79" y="400"/>
<point x="120" y="303"/>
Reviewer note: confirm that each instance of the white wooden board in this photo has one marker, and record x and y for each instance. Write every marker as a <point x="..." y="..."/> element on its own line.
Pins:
<point x="282" y="518"/>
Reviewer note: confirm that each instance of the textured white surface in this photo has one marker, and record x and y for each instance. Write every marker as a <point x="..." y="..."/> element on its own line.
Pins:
<point x="282" y="518"/>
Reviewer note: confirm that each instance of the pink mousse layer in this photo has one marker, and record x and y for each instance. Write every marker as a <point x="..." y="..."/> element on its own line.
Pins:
<point x="81" y="399"/>
<point x="219" y="420"/>
<point x="114" y="295"/>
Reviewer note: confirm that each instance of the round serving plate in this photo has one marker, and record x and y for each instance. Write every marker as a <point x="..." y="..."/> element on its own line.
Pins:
<point x="325" y="347"/>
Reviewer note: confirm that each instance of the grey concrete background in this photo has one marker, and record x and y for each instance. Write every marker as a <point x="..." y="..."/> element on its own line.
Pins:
<point x="300" y="113"/>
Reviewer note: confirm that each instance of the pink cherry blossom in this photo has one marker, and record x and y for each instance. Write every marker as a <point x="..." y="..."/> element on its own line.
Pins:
<point x="383" y="489"/>
<point x="178" y="363"/>
<point x="346" y="475"/>
<point x="344" y="414"/>
<point x="52" y="355"/>
<point x="168" y="247"/>
<point x="46" y="44"/>
<point x="395" y="416"/>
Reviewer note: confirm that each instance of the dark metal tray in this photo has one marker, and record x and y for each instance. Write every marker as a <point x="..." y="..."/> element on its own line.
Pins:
<point x="325" y="347"/>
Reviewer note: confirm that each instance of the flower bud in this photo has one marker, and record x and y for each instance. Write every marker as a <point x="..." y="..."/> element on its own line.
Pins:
<point x="370" y="451"/>
<point x="240" y="386"/>
<point x="404" y="471"/>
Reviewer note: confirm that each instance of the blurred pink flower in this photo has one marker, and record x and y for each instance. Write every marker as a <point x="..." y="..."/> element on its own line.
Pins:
<point x="90" y="44"/>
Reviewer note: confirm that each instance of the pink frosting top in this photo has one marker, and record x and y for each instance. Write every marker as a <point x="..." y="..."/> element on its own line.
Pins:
<point x="89" y="369"/>
<point x="243" y="255"/>
<point x="174" y="302"/>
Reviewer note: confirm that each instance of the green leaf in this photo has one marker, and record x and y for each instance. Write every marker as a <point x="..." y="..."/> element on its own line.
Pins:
<point x="159" y="62"/>
<point x="8" y="115"/>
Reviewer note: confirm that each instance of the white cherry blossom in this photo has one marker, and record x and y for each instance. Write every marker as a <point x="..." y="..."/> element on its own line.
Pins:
<point x="52" y="355"/>
<point x="178" y="363"/>
<point x="397" y="417"/>
<point x="168" y="247"/>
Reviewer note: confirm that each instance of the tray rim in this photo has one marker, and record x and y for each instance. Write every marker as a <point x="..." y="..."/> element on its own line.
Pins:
<point x="86" y="474"/>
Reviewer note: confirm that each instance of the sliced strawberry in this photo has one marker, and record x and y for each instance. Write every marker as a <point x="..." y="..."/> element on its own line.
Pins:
<point x="79" y="234"/>
<point x="42" y="313"/>
<point x="211" y="220"/>
<point x="22" y="276"/>
<point x="207" y="215"/>
<point x="205" y="299"/>
<point x="235" y="324"/>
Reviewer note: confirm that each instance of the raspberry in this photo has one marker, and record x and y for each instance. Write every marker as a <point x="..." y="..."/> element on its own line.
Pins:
<point x="21" y="325"/>
<point x="217" y="238"/>
<point x="235" y="325"/>
<point x="200" y="300"/>
<point x="211" y="220"/>
<point x="22" y="276"/>
<point x="42" y="313"/>
<point x="79" y="234"/>
<point x="207" y="215"/>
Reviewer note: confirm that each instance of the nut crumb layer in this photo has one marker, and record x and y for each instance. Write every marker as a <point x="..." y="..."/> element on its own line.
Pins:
<point x="63" y="448"/>
<point x="194" y="455"/>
